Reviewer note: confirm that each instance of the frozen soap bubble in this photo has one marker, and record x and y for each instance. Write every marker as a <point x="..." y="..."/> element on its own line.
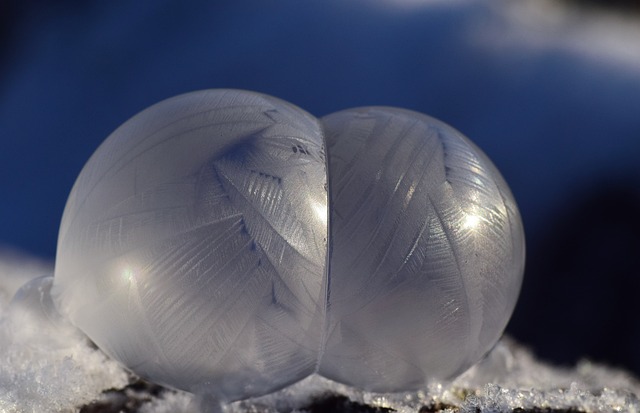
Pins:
<point x="426" y="250"/>
<point x="208" y="245"/>
<point x="193" y="244"/>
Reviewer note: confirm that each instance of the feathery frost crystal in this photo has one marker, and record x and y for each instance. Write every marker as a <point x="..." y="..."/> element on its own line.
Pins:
<point x="230" y="243"/>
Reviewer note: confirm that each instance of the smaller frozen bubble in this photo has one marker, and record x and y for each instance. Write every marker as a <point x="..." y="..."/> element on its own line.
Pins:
<point x="426" y="250"/>
<point x="32" y="313"/>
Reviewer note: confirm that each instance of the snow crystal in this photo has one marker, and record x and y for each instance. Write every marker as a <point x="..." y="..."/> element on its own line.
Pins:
<point x="170" y="402"/>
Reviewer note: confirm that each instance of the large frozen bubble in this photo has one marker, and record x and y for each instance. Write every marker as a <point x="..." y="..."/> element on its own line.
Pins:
<point x="229" y="243"/>
<point x="193" y="245"/>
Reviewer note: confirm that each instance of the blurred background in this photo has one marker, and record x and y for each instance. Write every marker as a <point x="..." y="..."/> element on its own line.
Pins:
<point x="549" y="89"/>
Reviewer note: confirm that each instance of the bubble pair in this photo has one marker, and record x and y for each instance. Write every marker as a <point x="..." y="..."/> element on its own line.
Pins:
<point x="230" y="243"/>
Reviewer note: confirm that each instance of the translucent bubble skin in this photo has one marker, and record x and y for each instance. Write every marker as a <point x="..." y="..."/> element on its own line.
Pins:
<point x="229" y="243"/>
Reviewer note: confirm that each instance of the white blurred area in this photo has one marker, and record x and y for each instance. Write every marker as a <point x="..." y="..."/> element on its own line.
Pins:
<point x="605" y="36"/>
<point x="610" y="36"/>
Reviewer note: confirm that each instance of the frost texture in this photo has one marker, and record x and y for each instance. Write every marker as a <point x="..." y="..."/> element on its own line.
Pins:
<point x="210" y="245"/>
<point x="192" y="247"/>
<point x="423" y="230"/>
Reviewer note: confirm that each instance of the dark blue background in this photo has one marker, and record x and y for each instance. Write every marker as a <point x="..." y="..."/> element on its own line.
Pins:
<point x="562" y="123"/>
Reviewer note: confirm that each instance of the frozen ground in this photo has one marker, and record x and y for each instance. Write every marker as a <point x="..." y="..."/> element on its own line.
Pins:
<point x="64" y="373"/>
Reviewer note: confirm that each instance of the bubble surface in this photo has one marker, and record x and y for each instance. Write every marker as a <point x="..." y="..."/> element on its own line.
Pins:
<point x="427" y="250"/>
<point x="228" y="242"/>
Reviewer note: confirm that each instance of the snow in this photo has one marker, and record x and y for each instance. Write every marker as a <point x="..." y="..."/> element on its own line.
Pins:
<point x="40" y="371"/>
<point x="50" y="369"/>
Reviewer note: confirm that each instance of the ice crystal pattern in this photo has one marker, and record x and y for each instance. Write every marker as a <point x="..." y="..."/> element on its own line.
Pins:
<point x="229" y="242"/>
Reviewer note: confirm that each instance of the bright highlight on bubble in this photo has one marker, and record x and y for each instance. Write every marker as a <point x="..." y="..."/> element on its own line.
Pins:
<point x="471" y="221"/>
<point x="229" y="243"/>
